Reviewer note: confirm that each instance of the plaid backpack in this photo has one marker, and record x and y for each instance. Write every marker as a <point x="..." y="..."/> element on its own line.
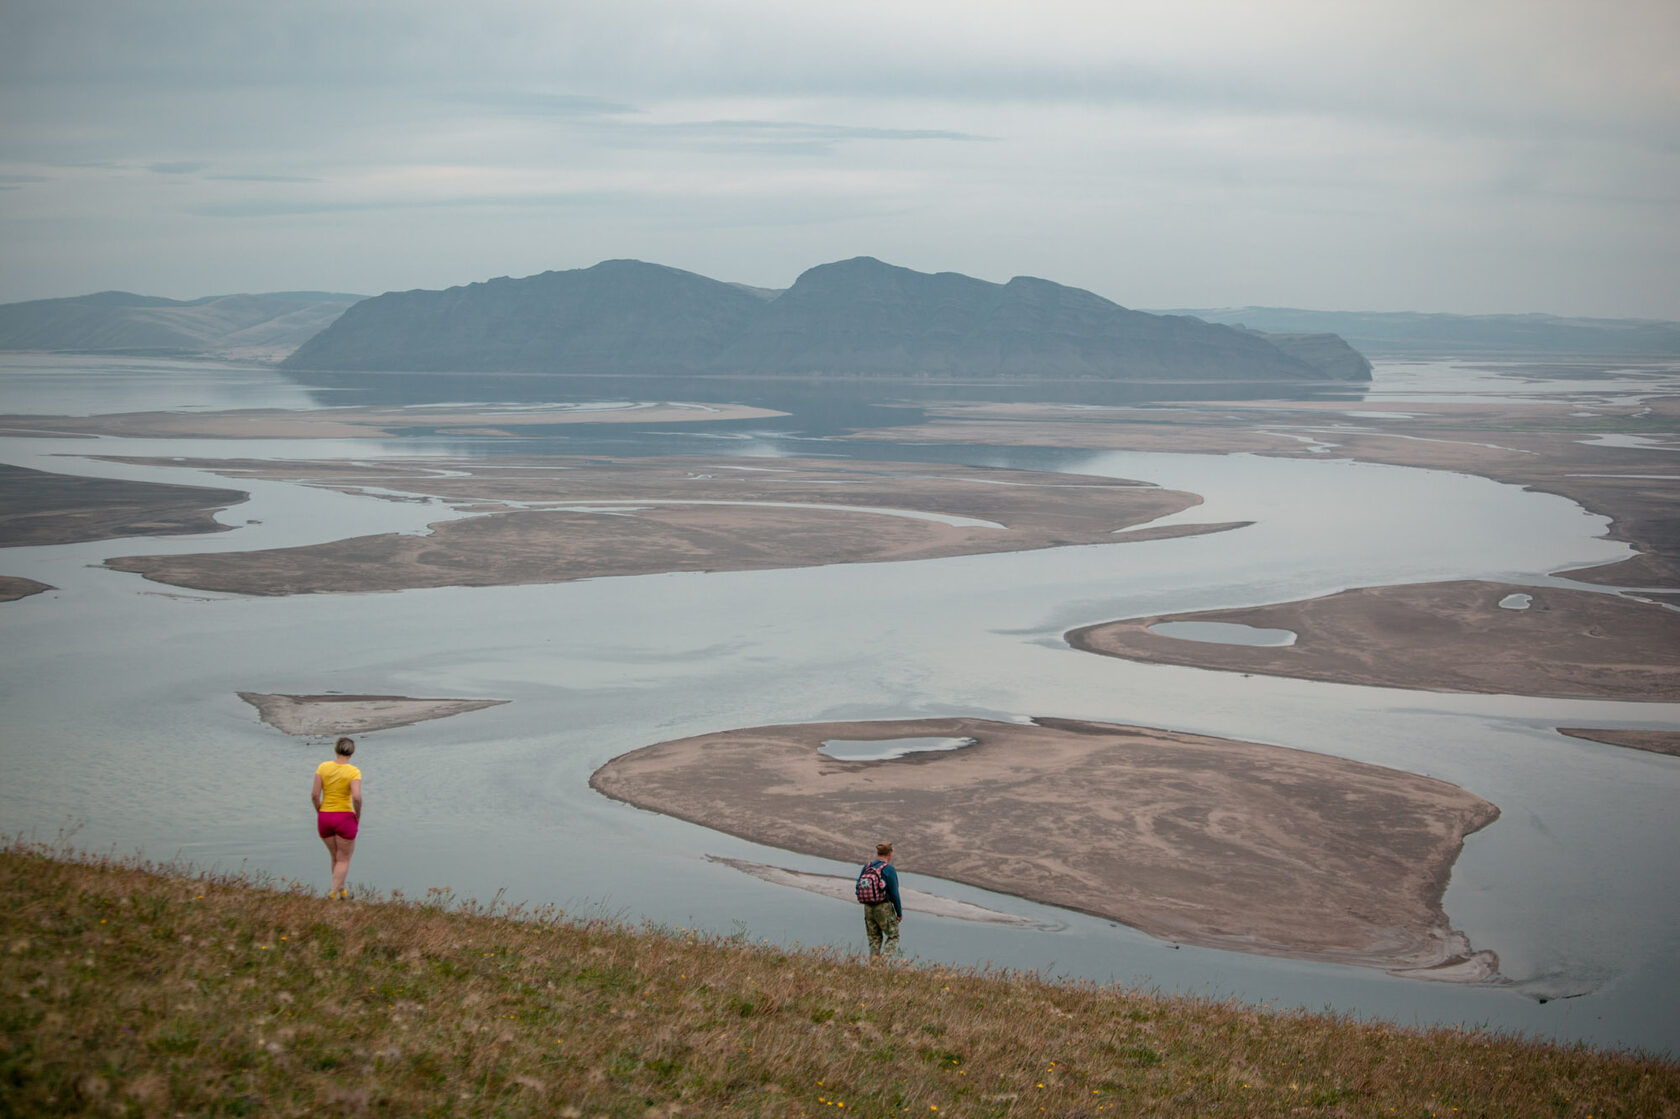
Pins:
<point x="872" y="884"/>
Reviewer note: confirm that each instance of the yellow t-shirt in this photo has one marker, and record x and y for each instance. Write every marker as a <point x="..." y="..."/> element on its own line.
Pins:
<point x="335" y="785"/>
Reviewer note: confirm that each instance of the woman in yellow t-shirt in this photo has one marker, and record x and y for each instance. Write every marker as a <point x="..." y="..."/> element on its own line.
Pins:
<point x="338" y="810"/>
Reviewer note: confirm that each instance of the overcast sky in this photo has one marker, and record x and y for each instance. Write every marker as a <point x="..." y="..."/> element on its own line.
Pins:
<point x="1467" y="155"/>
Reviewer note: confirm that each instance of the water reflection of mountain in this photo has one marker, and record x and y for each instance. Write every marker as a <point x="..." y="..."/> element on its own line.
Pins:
<point x="815" y="407"/>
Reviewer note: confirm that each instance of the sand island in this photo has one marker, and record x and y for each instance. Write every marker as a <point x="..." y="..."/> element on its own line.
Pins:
<point x="1451" y="637"/>
<point x="1207" y="841"/>
<point x="333" y="714"/>
<point x="557" y="519"/>
<point x="14" y="587"/>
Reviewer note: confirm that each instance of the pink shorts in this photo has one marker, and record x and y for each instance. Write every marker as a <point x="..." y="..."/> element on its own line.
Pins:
<point x="341" y="824"/>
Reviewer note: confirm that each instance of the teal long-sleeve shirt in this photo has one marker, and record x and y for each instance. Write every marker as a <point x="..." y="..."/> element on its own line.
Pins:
<point x="890" y="876"/>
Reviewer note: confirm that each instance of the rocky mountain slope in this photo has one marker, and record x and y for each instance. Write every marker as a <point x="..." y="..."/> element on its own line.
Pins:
<point x="850" y="318"/>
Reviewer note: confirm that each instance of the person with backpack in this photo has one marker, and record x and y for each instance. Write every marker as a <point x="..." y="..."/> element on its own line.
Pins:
<point x="877" y="889"/>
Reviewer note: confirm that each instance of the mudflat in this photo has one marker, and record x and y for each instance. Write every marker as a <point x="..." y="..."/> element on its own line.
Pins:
<point x="1453" y="637"/>
<point x="1233" y="845"/>
<point x="559" y="519"/>
<point x="38" y="507"/>
<point x="332" y="714"/>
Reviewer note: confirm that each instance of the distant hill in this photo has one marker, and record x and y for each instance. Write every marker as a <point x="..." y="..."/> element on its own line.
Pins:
<point x="619" y="316"/>
<point x="854" y="317"/>
<point x="1427" y="335"/>
<point x="245" y="327"/>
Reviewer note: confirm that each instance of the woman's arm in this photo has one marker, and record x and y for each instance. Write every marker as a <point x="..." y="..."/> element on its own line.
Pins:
<point x="315" y="792"/>
<point x="356" y="796"/>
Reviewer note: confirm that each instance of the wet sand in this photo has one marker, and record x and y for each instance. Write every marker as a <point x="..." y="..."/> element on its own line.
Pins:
<point x="1199" y="840"/>
<point x="14" y="587"/>
<point x="561" y="519"/>
<point x="1452" y="637"/>
<point x="332" y="715"/>
<point x="844" y="889"/>
<point x="37" y="507"/>
<point x="1656" y="741"/>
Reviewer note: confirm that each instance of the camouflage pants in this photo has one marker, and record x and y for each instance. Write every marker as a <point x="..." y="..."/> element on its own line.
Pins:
<point x="880" y="925"/>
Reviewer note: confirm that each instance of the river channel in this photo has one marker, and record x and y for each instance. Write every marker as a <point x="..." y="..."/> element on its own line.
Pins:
<point x="121" y="720"/>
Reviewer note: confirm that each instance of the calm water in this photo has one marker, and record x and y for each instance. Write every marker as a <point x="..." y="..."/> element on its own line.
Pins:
<point x="120" y="715"/>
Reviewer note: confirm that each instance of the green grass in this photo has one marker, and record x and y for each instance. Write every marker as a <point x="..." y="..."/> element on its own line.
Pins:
<point x="127" y="989"/>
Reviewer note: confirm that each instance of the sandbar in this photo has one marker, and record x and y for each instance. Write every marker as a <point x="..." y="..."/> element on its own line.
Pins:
<point x="560" y="519"/>
<point x="1450" y="637"/>
<point x="38" y="507"/>
<point x="1655" y="741"/>
<point x="327" y="715"/>
<point x="368" y="423"/>
<point x="1207" y="841"/>
<point x="14" y="587"/>
<point x="914" y="901"/>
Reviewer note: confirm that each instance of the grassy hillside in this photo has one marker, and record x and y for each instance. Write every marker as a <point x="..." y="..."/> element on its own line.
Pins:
<point x="129" y="991"/>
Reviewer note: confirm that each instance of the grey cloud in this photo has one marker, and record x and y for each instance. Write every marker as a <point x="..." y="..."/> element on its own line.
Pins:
<point x="539" y="104"/>
<point x="262" y="178"/>
<point x="774" y="137"/>
<point x="177" y="167"/>
<point x="255" y="208"/>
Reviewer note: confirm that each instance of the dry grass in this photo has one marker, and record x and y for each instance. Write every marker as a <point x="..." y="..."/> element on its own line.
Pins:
<point x="127" y="989"/>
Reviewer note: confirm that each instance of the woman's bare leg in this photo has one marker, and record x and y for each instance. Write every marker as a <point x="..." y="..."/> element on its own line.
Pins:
<point x="332" y="853"/>
<point x="342" y="850"/>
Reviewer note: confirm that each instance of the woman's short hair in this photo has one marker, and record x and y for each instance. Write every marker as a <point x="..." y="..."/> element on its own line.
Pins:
<point x="345" y="746"/>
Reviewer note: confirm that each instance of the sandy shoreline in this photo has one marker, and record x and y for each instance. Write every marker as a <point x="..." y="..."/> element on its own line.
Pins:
<point x="330" y="715"/>
<point x="561" y="519"/>
<point x="1655" y="741"/>
<point x="1215" y="842"/>
<point x="1452" y="637"/>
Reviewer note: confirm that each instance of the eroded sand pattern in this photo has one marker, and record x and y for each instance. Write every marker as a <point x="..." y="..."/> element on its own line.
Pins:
<point x="1207" y="841"/>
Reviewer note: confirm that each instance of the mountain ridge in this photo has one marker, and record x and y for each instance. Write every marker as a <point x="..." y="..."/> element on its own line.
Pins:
<point x="856" y="317"/>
